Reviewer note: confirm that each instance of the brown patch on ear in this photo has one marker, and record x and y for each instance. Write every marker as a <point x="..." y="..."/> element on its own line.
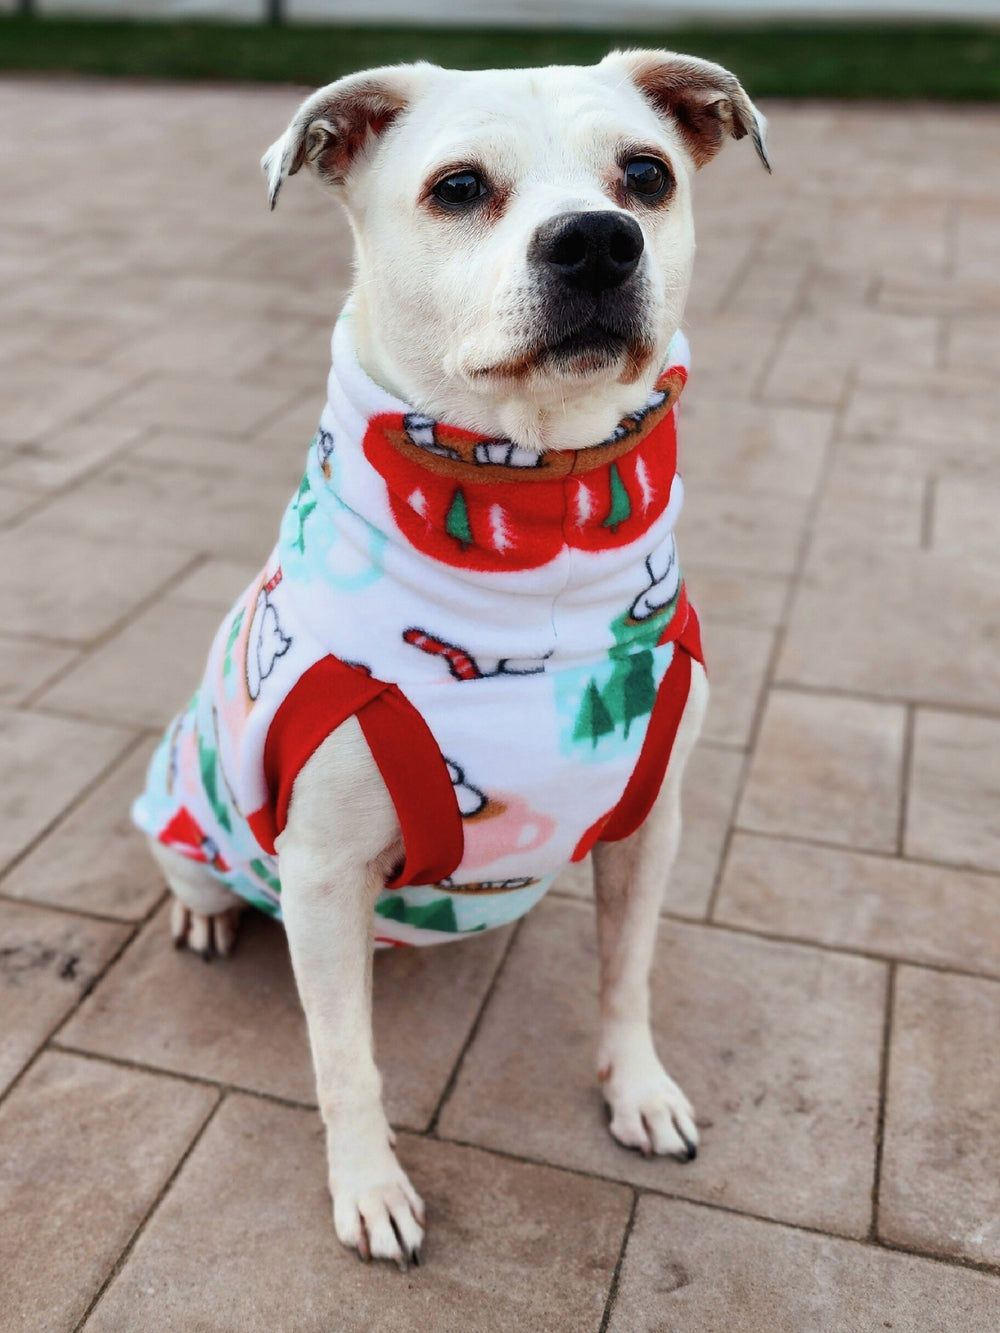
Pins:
<point x="335" y="138"/>
<point x="705" y="101"/>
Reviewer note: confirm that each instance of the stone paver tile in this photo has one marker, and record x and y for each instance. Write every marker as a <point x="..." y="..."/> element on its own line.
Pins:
<point x="939" y="1177"/>
<point x="85" y="1148"/>
<point x="944" y="425"/>
<point x="304" y="363"/>
<point x="710" y="783"/>
<point x="509" y="1246"/>
<point x="965" y="517"/>
<point x="146" y="673"/>
<point x="828" y="768"/>
<point x="239" y="1021"/>
<point x="15" y="501"/>
<point x="974" y="342"/>
<point x="60" y="456"/>
<point x="40" y="399"/>
<point x="201" y="511"/>
<point x="95" y="860"/>
<point x="899" y="624"/>
<point x="45" y="762"/>
<point x="215" y="584"/>
<point x="825" y="344"/>
<point x="748" y="447"/>
<point x="70" y="587"/>
<point x="206" y="344"/>
<point x="690" y="1269"/>
<point x="738" y="659"/>
<point x="950" y="295"/>
<point x="199" y="402"/>
<point x="871" y="495"/>
<point x="954" y="807"/>
<point x="852" y="900"/>
<point x="759" y="532"/>
<point x="26" y="664"/>
<point x="47" y="961"/>
<point x="776" y="1045"/>
<point x="729" y="352"/>
<point x="734" y="595"/>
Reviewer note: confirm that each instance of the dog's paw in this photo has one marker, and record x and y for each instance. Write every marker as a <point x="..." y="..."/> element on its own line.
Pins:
<point x="376" y="1210"/>
<point x="648" y="1110"/>
<point x="206" y="935"/>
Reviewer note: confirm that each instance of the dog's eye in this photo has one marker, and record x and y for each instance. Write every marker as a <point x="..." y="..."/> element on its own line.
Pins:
<point x="461" y="187"/>
<point x="647" y="178"/>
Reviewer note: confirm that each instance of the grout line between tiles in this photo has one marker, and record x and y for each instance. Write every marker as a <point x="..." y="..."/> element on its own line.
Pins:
<point x="473" y="1031"/>
<point x="123" y="1257"/>
<point x="883" y="1094"/>
<point x="609" y="1306"/>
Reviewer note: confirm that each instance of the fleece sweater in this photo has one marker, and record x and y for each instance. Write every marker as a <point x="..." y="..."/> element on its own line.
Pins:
<point x="510" y="628"/>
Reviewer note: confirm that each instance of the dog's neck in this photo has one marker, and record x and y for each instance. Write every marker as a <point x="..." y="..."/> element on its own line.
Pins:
<point x="546" y="418"/>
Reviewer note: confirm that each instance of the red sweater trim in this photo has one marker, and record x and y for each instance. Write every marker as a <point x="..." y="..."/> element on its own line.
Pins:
<point x="647" y="777"/>
<point x="403" y="748"/>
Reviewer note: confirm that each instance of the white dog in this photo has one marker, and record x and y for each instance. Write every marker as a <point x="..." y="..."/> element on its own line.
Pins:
<point x="470" y="657"/>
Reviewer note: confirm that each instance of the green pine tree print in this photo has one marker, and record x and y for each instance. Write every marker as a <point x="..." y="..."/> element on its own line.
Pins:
<point x="208" y="763"/>
<point x="436" y="915"/>
<point x="621" y="506"/>
<point x="263" y="870"/>
<point x="593" y="720"/>
<point x="227" y="658"/>
<point x="456" y="523"/>
<point x="304" y="505"/>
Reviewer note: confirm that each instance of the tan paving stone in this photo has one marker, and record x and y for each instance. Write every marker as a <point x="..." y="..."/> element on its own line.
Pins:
<point x="95" y="860"/>
<point x="895" y="623"/>
<point x="198" y="403"/>
<point x="239" y="1020"/>
<point x="823" y="346"/>
<point x="738" y="657"/>
<point x="748" y="447"/>
<point x="84" y="1150"/>
<point x="26" y="664"/>
<point x="72" y="588"/>
<point x="728" y="528"/>
<point x="828" y="768"/>
<point x="939" y="1180"/>
<point x="509" y="1246"/>
<point x="39" y="399"/>
<point x="954" y="807"/>
<point x="776" y="1045"/>
<point x="710" y="783"/>
<point x="142" y="676"/>
<point x="944" y="422"/>
<point x="691" y="1269"/>
<point x="60" y="456"/>
<point x="729" y="352"/>
<point x="45" y="762"/>
<point x="877" y="904"/>
<point x="965" y="518"/>
<point x="871" y="495"/>
<point x="47" y="961"/>
<point x="215" y="584"/>
<point x="735" y="595"/>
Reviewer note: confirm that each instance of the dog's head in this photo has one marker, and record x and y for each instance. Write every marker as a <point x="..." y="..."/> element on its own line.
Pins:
<point x="524" y="238"/>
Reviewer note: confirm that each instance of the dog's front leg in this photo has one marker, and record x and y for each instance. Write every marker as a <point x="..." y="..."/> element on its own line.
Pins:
<point x="334" y="854"/>
<point x="648" y="1109"/>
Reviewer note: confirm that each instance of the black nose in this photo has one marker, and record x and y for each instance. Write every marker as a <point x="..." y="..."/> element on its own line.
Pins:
<point x="589" y="251"/>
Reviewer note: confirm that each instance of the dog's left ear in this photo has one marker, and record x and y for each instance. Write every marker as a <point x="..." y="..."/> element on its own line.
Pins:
<point x="340" y="122"/>
<point x="705" y="101"/>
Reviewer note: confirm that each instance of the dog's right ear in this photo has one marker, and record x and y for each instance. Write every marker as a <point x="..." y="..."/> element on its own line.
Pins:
<point x="339" y="123"/>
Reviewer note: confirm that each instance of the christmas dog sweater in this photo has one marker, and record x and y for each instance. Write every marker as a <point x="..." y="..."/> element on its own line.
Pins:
<point x="510" y="629"/>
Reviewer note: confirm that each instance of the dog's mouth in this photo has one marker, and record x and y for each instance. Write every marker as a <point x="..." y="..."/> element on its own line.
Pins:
<point x="590" y="351"/>
<point x="579" y="338"/>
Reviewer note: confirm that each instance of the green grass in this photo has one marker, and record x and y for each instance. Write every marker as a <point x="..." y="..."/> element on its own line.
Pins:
<point x="950" y="62"/>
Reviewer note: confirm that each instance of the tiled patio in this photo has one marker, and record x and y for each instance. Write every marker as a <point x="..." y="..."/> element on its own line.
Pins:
<point x="828" y="979"/>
